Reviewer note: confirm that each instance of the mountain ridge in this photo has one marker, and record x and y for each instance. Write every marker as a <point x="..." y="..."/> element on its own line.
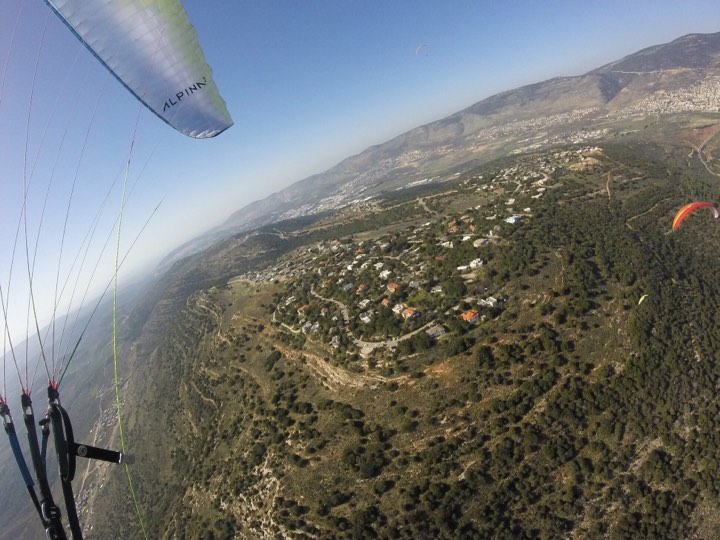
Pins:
<point x="680" y="53"/>
<point x="476" y="134"/>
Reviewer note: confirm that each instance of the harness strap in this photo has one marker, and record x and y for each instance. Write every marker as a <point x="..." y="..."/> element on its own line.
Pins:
<point x="19" y="458"/>
<point x="51" y="515"/>
<point x="45" y="425"/>
<point x="63" y="435"/>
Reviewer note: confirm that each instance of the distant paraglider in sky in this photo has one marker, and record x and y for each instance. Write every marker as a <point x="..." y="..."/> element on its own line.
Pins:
<point x="642" y="298"/>
<point x="689" y="208"/>
<point x="419" y="49"/>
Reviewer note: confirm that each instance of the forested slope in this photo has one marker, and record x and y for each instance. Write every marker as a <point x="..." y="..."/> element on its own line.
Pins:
<point x="573" y="411"/>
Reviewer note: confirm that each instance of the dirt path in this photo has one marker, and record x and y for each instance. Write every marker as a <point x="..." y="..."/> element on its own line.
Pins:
<point x="423" y="204"/>
<point x="700" y="151"/>
<point x="627" y="221"/>
<point x="203" y="396"/>
<point x="607" y="186"/>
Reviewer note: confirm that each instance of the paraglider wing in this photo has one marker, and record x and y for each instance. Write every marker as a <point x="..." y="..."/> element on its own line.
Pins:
<point x="643" y="297"/>
<point x="691" y="207"/>
<point x="152" y="49"/>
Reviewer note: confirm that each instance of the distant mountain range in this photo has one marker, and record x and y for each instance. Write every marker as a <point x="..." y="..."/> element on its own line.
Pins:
<point x="679" y="76"/>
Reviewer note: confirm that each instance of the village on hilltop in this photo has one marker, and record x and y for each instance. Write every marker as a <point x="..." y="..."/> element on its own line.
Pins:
<point x="403" y="291"/>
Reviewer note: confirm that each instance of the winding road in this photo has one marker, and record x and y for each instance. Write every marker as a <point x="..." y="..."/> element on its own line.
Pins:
<point x="367" y="347"/>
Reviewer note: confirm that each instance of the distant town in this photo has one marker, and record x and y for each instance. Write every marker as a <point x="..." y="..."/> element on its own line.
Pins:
<point x="579" y="126"/>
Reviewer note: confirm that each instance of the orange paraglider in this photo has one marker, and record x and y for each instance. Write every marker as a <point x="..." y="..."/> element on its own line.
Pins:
<point x="690" y="208"/>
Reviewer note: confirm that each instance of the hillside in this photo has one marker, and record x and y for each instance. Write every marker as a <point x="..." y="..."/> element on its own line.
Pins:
<point x="459" y="352"/>
<point x="279" y="393"/>
<point x="271" y="408"/>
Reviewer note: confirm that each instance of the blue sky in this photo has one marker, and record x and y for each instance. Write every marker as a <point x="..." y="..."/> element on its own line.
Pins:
<point x="307" y="83"/>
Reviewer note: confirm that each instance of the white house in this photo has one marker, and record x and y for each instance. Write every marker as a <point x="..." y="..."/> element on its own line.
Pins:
<point x="436" y="331"/>
<point x="489" y="302"/>
<point x="480" y="242"/>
